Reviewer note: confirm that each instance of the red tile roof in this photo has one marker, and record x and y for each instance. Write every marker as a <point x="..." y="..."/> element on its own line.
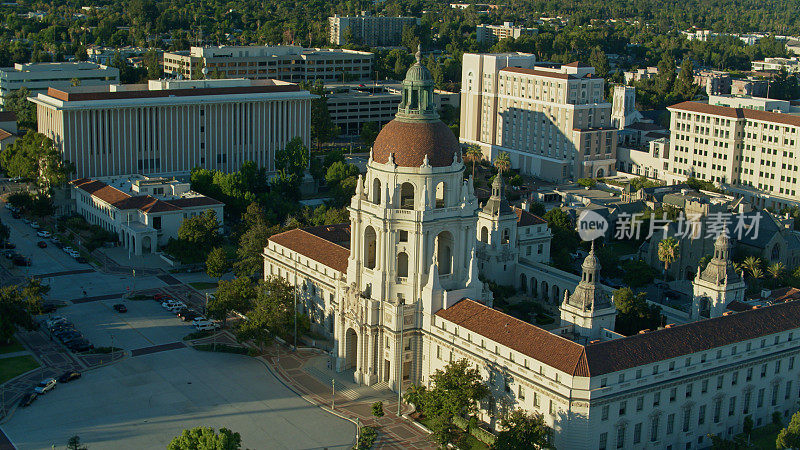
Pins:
<point x="766" y="116"/>
<point x="623" y="353"/>
<point x="146" y="203"/>
<point x="104" y="192"/>
<point x="411" y="142"/>
<point x="553" y="350"/>
<point x="84" y="94"/>
<point x="4" y="134"/>
<point x="314" y="247"/>
<point x="525" y="218"/>
<point x="738" y="113"/>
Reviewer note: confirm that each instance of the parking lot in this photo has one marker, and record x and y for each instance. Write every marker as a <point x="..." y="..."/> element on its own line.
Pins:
<point x="143" y="401"/>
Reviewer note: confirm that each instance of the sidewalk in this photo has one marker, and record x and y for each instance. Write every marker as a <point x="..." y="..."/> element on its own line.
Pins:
<point x="306" y="372"/>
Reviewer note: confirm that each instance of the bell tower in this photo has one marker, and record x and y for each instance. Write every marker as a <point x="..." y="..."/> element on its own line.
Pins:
<point x="588" y="310"/>
<point x="718" y="284"/>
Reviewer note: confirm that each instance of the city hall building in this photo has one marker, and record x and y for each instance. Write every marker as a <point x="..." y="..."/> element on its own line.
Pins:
<point x="398" y="291"/>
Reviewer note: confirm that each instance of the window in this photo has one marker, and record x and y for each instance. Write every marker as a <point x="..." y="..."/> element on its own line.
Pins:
<point x="639" y="404"/>
<point x="621" y="436"/>
<point x="654" y="428"/>
<point x="763" y="371"/>
<point x="403" y="236"/>
<point x="637" y="433"/>
<point x="760" y="401"/>
<point x="788" y="390"/>
<point x="603" y="441"/>
<point x="672" y="394"/>
<point x="622" y="407"/>
<point x="689" y="390"/>
<point x="732" y="406"/>
<point x="670" y="423"/>
<point x="701" y="418"/>
<point x="604" y="415"/>
<point x="717" y="409"/>
<point x="749" y="374"/>
<point x="720" y="380"/>
<point x="656" y="399"/>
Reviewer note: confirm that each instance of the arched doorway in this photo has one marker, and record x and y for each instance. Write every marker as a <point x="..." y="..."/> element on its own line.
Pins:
<point x="534" y="292"/>
<point x="484" y="235"/>
<point x="544" y="291"/>
<point x="376" y="191"/>
<point x="402" y="264"/>
<point x="600" y="173"/>
<point x="146" y="245"/>
<point x="350" y="349"/>
<point x="705" y="307"/>
<point x="440" y="194"/>
<point x="407" y="196"/>
<point x="444" y="258"/>
<point x="523" y="283"/>
<point x="775" y="255"/>
<point x="555" y="294"/>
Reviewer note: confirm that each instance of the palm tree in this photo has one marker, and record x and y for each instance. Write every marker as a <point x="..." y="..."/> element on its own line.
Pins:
<point x="473" y="154"/>
<point x="667" y="251"/>
<point x="757" y="273"/>
<point x="776" y="270"/>
<point x="502" y="162"/>
<point x="751" y="264"/>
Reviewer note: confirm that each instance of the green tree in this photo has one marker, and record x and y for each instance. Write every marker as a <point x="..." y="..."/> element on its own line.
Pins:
<point x="17" y="101"/>
<point x="292" y="159"/>
<point x="473" y="154"/>
<point x="789" y="437"/>
<point x="377" y="409"/>
<point x="17" y="306"/>
<point x="35" y="157"/>
<point x="204" y="438"/>
<point x="599" y="61"/>
<point x="523" y="430"/>
<point x="564" y="233"/>
<point x="502" y="162"/>
<point x="634" y="313"/>
<point x="74" y="443"/>
<point x="665" y="79"/>
<point x="217" y="263"/>
<point x="369" y="131"/>
<point x="272" y="313"/>
<point x="201" y="231"/>
<point x="752" y="265"/>
<point x="537" y="208"/>
<point x="668" y="251"/>
<point x="776" y="270"/>
<point x="454" y="391"/>
<point x="234" y="295"/>
<point x="685" y="88"/>
<point x="342" y="179"/>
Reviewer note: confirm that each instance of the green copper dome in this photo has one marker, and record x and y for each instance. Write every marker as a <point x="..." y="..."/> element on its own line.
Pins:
<point x="417" y="104"/>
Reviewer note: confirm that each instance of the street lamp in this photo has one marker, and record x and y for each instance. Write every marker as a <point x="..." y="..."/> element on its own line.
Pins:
<point x="333" y="395"/>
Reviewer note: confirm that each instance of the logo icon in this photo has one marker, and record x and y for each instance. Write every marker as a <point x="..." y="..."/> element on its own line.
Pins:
<point x="591" y="225"/>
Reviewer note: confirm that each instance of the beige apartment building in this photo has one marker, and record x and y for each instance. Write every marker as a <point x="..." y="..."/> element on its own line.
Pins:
<point x="493" y="33"/>
<point x="749" y="152"/>
<point x="285" y="62"/>
<point x="552" y="119"/>
<point x="168" y="127"/>
<point x="366" y="29"/>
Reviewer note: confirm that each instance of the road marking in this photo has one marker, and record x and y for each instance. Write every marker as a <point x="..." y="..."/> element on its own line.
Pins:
<point x="66" y="272"/>
<point x="76" y="301"/>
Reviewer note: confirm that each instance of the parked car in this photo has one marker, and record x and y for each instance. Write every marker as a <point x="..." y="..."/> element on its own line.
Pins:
<point x="200" y="318"/>
<point x="68" y="249"/>
<point x="55" y="240"/>
<point x="28" y="398"/>
<point x="45" y="385"/>
<point x="68" y="335"/>
<point x="174" y="306"/>
<point x="68" y="376"/>
<point x="160" y="297"/>
<point x="54" y="320"/>
<point x="206" y="325"/>
<point x="43" y="233"/>
<point x="20" y="260"/>
<point x="42" y="244"/>
<point x="35" y="225"/>
<point x="80" y="345"/>
<point x="120" y="308"/>
<point x="10" y="254"/>
<point x="188" y="315"/>
<point x="168" y="303"/>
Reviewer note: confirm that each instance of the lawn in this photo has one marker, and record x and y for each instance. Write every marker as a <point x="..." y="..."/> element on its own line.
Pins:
<point x="764" y="437"/>
<point x="201" y="285"/>
<point x="14" y="346"/>
<point x="11" y="367"/>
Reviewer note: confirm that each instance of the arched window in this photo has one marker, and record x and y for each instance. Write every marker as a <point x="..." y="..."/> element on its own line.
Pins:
<point x="776" y="252"/>
<point x="440" y="190"/>
<point x="407" y="196"/>
<point x="444" y="258"/>
<point x="484" y="235"/>
<point x="402" y="264"/>
<point x="376" y="191"/>
<point x="370" y="247"/>
<point x="600" y="173"/>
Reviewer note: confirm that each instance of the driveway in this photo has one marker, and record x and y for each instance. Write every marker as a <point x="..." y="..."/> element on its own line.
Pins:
<point x="145" y="400"/>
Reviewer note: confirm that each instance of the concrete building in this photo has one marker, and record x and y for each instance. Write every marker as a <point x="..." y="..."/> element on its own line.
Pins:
<point x="552" y="119"/>
<point x="169" y="127"/>
<point x="397" y="289"/>
<point x="640" y="74"/>
<point x="751" y="153"/>
<point x="351" y="105"/>
<point x="713" y="81"/>
<point x="38" y="77"/>
<point x="490" y="34"/>
<point x="285" y="62"/>
<point x="750" y="102"/>
<point x="369" y="30"/>
<point x="651" y="161"/>
<point x="144" y="212"/>
<point x="792" y="65"/>
<point x="749" y="86"/>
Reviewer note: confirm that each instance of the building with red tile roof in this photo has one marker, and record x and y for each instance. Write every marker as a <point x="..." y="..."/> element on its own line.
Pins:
<point x="144" y="212"/>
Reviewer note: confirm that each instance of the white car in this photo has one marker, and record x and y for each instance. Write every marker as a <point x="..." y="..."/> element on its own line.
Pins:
<point x="206" y="325"/>
<point x="45" y="385"/>
<point x="35" y="225"/>
<point x="68" y="249"/>
<point x="43" y="233"/>
<point x="176" y="306"/>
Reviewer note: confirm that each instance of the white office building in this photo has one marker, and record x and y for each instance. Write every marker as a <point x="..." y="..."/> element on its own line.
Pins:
<point x="38" y="77"/>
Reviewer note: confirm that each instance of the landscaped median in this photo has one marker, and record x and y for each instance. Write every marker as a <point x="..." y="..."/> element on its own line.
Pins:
<point x="15" y="366"/>
<point x="14" y="346"/>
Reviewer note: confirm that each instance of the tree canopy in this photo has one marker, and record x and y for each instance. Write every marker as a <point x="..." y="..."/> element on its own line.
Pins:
<point x="634" y="313"/>
<point x="35" y="157"/>
<point x="205" y="438"/>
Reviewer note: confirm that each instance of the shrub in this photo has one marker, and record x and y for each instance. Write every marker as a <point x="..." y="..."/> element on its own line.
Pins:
<point x="461" y="422"/>
<point x="197" y="335"/>
<point x="223" y="348"/>
<point x="587" y="182"/>
<point x="377" y="409"/>
<point x="366" y="438"/>
<point x="482" y="435"/>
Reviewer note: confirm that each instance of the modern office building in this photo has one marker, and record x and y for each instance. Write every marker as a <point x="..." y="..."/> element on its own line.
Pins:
<point x="170" y="126"/>
<point x="366" y="29"/>
<point x="144" y="212"/>
<point x="399" y="291"/>
<point x="552" y="119"/>
<point x="791" y="65"/>
<point x="750" y="152"/>
<point x="285" y="62"/>
<point x="492" y="33"/>
<point x="38" y="77"/>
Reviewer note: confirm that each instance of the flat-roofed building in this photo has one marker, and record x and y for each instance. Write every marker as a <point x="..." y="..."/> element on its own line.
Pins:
<point x="366" y="29"/>
<point x="170" y="126"/>
<point x="284" y="62"/>
<point x="38" y="77"/>
<point x="791" y="65"/>
<point x="552" y="119"/>
<point x="494" y="33"/>
<point x="144" y="212"/>
<point x="750" y="152"/>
